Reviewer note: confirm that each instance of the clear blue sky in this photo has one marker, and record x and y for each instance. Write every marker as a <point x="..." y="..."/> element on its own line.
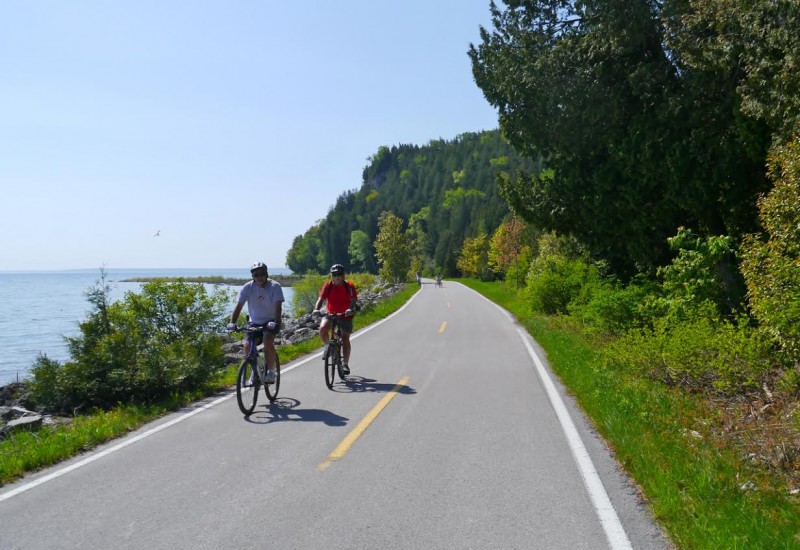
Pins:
<point x="228" y="126"/>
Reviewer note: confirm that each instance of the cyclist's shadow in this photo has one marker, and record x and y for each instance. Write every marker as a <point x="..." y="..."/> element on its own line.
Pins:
<point x="359" y="384"/>
<point x="286" y="409"/>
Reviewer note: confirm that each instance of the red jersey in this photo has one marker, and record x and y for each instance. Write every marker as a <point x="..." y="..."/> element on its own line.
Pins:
<point x="338" y="296"/>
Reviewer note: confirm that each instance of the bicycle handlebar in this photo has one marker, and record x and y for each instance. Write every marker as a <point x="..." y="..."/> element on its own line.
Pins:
<point x="250" y="329"/>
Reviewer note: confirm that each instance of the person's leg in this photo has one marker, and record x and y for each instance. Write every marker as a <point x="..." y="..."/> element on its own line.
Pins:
<point x="323" y="330"/>
<point x="269" y="350"/>
<point x="269" y="356"/>
<point x="346" y="352"/>
<point x="346" y="347"/>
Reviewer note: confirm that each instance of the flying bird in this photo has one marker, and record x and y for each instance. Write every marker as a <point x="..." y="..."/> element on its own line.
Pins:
<point x="158" y="233"/>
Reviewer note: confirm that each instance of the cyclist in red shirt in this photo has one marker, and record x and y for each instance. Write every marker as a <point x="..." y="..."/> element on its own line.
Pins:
<point x="341" y="297"/>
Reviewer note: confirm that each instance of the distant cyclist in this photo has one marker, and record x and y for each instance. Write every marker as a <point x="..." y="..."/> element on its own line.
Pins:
<point x="264" y="298"/>
<point x="341" y="297"/>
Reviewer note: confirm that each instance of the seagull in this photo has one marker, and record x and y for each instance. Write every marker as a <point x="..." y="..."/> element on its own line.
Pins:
<point x="158" y="233"/>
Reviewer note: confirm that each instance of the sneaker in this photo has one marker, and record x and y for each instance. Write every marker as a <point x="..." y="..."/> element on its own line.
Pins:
<point x="345" y="369"/>
<point x="272" y="375"/>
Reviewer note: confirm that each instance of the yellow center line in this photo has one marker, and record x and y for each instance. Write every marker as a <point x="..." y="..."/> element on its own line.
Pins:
<point x="351" y="438"/>
<point x="441" y="329"/>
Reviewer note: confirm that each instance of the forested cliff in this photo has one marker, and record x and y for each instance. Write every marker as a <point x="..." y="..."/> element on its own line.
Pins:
<point x="446" y="190"/>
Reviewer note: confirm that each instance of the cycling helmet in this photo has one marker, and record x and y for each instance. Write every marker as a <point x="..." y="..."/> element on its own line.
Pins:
<point x="337" y="269"/>
<point x="257" y="266"/>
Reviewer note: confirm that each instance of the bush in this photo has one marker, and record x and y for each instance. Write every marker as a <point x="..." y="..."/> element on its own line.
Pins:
<point x="701" y="354"/>
<point x="770" y="261"/>
<point x="554" y="281"/>
<point x="306" y="290"/>
<point x="696" y="277"/>
<point x="139" y="349"/>
<point x="606" y="307"/>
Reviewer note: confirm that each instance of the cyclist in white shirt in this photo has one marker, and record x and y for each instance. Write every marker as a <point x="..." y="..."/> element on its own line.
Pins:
<point x="264" y="299"/>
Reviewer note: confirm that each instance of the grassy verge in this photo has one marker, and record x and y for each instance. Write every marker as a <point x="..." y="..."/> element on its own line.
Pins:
<point x="28" y="451"/>
<point x="699" y="487"/>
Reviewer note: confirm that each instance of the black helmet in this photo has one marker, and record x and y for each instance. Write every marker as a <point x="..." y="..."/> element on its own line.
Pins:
<point x="257" y="266"/>
<point x="337" y="269"/>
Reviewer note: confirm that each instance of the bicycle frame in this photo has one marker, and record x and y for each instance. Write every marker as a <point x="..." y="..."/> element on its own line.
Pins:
<point x="247" y="386"/>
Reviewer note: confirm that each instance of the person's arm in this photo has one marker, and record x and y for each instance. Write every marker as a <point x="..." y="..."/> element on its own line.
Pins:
<point x="353" y="296"/>
<point x="236" y="311"/>
<point x="320" y="299"/>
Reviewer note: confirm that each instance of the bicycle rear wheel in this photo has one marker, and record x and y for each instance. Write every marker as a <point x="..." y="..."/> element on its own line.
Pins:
<point x="247" y="382"/>
<point x="330" y="365"/>
<point x="272" y="389"/>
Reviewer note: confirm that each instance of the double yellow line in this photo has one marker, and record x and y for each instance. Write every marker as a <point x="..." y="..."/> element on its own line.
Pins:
<point x="351" y="438"/>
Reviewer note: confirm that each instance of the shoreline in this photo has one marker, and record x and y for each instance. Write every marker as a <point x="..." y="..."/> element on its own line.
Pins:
<point x="283" y="280"/>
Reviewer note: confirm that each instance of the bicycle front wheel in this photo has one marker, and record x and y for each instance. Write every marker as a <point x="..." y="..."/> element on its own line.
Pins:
<point x="247" y="387"/>
<point x="272" y="389"/>
<point x="339" y="367"/>
<point x="330" y="365"/>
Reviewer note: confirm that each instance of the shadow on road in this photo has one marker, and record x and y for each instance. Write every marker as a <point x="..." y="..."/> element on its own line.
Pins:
<point x="287" y="409"/>
<point x="359" y="384"/>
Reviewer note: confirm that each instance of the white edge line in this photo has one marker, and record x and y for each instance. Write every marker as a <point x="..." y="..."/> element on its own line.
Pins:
<point x="88" y="460"/>
<point x="615" y="533"/>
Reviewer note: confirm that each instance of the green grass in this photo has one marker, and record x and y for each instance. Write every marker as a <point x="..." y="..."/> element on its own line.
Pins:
<point x="691" y="480"/>
<point x="28" y="451"/>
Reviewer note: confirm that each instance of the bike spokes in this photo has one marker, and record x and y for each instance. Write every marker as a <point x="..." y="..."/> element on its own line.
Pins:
<point x="330" y="365"/>
<point x="247" y="387"/>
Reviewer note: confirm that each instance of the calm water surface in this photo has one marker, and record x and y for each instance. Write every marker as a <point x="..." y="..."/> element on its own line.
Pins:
<point x="38" y="308"/>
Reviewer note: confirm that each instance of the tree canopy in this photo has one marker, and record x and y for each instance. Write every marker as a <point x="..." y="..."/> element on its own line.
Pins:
<point x="446" y="191"/>
<point x="644" y="126"/>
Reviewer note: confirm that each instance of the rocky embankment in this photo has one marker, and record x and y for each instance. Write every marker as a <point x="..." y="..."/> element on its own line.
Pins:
<point x="19" y="412"/>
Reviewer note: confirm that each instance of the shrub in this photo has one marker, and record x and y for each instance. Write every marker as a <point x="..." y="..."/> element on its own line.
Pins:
<point x="141" y="348"/>
<point x="604" y="306"/>
<point x="554" y="281"/>
<point x="701" y="354"/>
<point x="695" y="278"/>
<point x="771" y="262"/>
<point x="306" y="292"/>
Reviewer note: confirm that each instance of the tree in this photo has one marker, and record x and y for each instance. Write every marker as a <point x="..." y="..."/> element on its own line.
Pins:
<point x="407" y="179"/>
<point x="306" y="251"/>
<point x="636" y="142"/>
<point x="418" y="238"/>
<point x="506" y="245"/>
<point x="360" y="251"/>
<point x="770" y="263"/>
<point x="392" y="248"/>
<point x="473" y="260"/>
<point x="758" y="42"/>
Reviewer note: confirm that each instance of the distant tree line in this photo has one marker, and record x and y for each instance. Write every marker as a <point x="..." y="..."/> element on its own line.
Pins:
<point x="442" y="193"/>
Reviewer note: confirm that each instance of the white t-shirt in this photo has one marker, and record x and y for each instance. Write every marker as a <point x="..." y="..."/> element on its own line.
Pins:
<point x="261" y="300"/>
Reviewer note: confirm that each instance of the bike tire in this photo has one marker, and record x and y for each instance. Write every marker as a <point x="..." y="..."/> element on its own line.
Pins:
<point x="330" y="367"/>
<point x="247" y="387"/>
<point x="339" y="367"/>
<point x="272" y="389"/>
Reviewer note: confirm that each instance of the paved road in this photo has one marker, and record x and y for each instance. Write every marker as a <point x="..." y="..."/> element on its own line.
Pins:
<point x="446" y="437"/>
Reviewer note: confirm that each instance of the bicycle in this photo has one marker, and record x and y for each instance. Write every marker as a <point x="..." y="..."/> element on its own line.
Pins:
<point x="253" y="371"/>
<point x="333" y="351"/>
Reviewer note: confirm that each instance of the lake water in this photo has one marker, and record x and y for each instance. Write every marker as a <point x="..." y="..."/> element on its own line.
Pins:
<point x="38" y="308"/>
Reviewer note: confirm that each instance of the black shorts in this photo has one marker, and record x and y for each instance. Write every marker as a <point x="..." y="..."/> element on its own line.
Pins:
<point x="259" y="338"/>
